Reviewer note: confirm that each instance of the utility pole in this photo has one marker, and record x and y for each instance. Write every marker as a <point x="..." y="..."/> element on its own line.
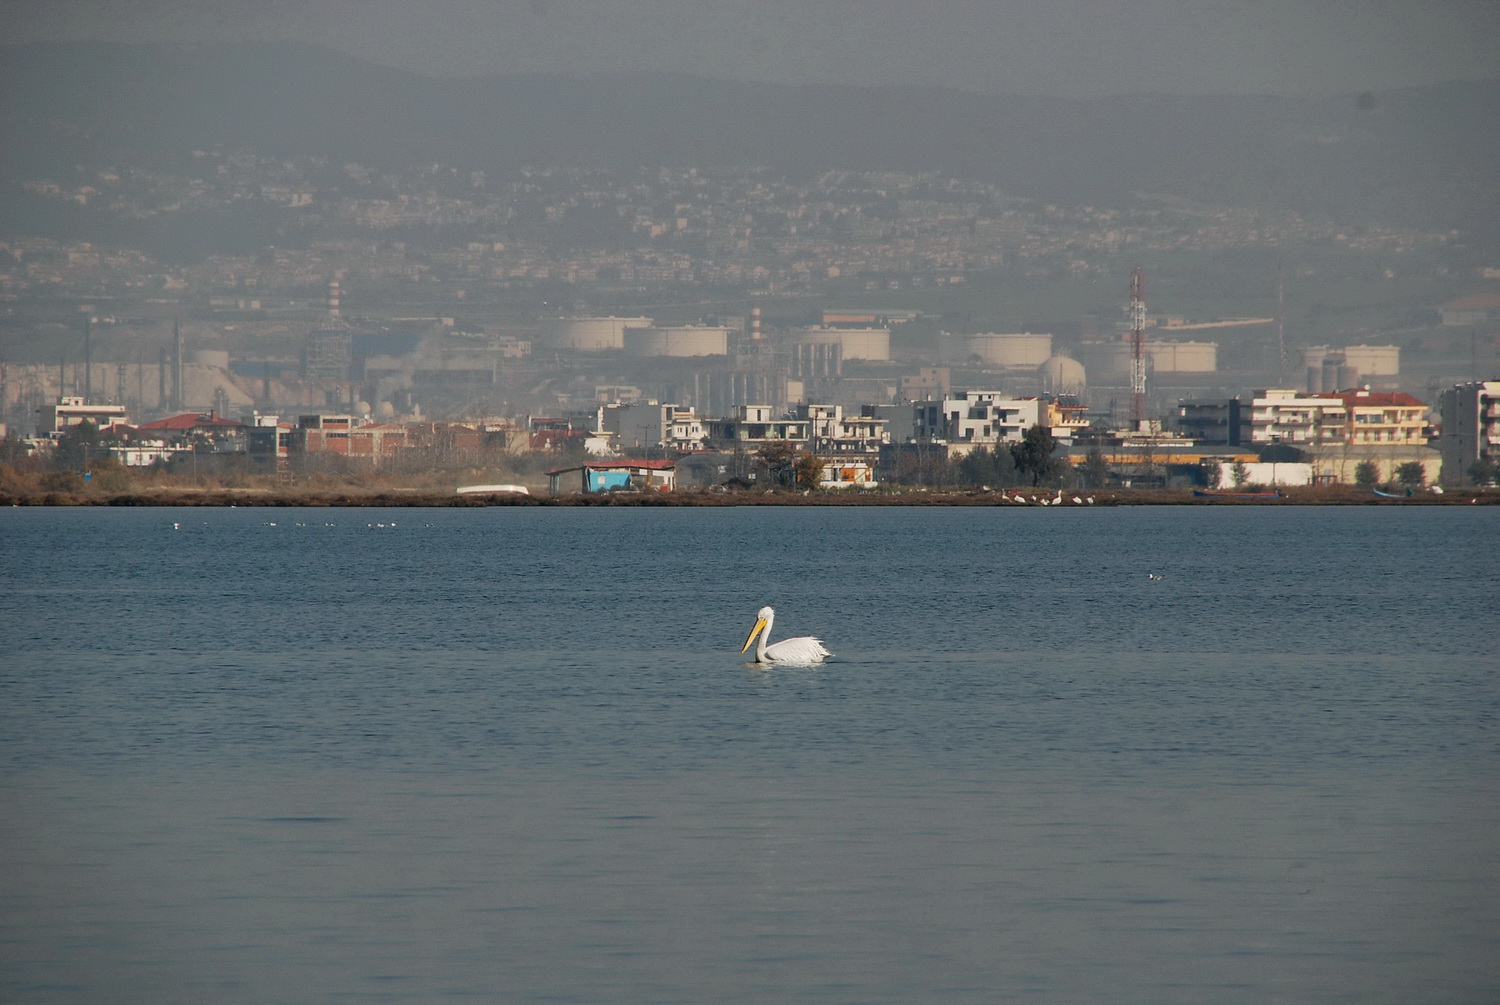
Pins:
<point x="1137" y="348"/>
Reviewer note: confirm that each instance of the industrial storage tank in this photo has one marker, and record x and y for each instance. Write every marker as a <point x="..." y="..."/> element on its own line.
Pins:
<point x="1111" y="360"/>
<point x="1374" y="360"/>
<point x="1018" y="349"/>
<point x="588" y="334"/>
<point x="1062" y="375"/>
<point x="1183" y="357"/>
<point x="681" y="340"/>
<point x="872" y="344"/>
<point x="1105" y="361"/>
<point x="1329" y="368"/>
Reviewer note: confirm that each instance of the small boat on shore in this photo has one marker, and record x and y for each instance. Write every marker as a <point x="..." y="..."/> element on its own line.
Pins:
<point x="493" y="490"/>
<point x="1213" y="494"/>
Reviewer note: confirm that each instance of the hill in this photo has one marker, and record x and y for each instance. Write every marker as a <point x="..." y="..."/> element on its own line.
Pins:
<point x="1417" y="157"/>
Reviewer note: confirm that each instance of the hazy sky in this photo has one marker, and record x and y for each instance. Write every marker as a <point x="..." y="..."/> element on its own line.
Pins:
<point x="1064" y="47"/>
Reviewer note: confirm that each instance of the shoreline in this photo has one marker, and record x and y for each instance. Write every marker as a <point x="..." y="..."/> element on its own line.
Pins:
<point x="422" y="499"/>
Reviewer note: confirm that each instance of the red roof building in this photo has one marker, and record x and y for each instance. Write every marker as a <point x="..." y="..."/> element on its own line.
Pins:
<point x="209" y="423"/>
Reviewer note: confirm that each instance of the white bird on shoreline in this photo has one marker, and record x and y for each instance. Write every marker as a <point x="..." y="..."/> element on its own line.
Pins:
<point x="803" y="651"/>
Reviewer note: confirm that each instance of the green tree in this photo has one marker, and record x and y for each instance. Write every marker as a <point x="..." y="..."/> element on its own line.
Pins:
<point x="808" y="470"/>
<point x="1239" y="474"/>
<point x="778" y="456"/>
<point x="1033" y="455"/>
<point x="985" y="467"/>
<point x="1366" y="474"/>
<point x="1411" y="474"/>
<point x="1213" y="473"/>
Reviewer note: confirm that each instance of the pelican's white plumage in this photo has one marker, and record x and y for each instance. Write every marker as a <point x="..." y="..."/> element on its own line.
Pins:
<point x="805" y="650"/>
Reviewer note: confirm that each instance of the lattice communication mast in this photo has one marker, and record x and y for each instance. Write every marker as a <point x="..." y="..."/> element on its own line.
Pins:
<point x="1137" y="348"/>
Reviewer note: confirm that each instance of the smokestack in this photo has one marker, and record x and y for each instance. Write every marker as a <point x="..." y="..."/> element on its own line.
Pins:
<point x="333" y="299"/>
<point x="755" y="325"/>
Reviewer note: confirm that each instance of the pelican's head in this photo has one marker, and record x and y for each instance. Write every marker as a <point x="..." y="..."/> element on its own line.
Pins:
<point x="762" y="619"/>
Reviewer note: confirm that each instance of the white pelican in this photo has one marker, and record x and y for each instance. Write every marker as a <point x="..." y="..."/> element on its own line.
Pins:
<point x="805" y="650"/>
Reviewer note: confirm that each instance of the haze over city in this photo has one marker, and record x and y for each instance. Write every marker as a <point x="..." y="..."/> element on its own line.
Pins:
<point x="414" y="213"/>
<point x="1065" y="48"/>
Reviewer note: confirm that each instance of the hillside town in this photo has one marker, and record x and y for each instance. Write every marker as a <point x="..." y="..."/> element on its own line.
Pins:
<point x="750" y="323"/>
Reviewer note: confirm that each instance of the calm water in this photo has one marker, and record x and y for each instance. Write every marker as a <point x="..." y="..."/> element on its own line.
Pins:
<point x="514" y="755"/>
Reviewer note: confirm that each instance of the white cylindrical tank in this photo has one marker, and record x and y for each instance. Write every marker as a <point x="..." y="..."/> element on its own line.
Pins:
<point x="873" y="344"/>
<point x="680" y="340"/>
<point x="1062" y="375"/>
<point x="1183" y="357"/>
<point x="1017" y="349"/>
<point x="1105" y="361"/>
<point x="209" y="357"/>
<point x="1374" y="360"/>
<point x="588" y="334"/>
<point x="1313" y="356"/>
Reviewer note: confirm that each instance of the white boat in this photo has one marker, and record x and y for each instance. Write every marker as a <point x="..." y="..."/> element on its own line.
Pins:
<point x="488" y="490"/>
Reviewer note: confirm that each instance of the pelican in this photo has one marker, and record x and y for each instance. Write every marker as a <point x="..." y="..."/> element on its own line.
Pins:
<point x="805" y="650"/>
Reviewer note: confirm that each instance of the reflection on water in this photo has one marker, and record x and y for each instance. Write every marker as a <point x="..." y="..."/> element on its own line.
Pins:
<point x="517" y="757"/>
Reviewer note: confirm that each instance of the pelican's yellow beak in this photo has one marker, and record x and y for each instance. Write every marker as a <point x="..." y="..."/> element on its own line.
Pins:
<point x="759" y="624"/>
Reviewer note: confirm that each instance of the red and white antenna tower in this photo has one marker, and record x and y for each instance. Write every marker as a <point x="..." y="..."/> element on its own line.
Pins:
<point x="1137" y="348"/>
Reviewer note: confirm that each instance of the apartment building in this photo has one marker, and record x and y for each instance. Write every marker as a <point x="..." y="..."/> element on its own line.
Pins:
<point x="1471" y="428"/>
<point x="1358" y="417"/>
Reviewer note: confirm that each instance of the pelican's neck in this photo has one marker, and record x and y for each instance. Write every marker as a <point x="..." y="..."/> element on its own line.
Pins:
<point x="763" y="639"/>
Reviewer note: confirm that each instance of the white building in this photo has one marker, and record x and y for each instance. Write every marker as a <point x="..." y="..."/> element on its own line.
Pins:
<point x="1277" y="474"/>
<point x="754" y="426"/>
<point x="830" y="431"/>
<point x="1356" y="417"/>
<point x="847" y="474"/>
<point x="980" y="418"/>
<point x="71" y="411"/>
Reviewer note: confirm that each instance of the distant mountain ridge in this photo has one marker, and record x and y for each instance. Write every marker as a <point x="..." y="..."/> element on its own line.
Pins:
<point x="1426" y="157"/>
